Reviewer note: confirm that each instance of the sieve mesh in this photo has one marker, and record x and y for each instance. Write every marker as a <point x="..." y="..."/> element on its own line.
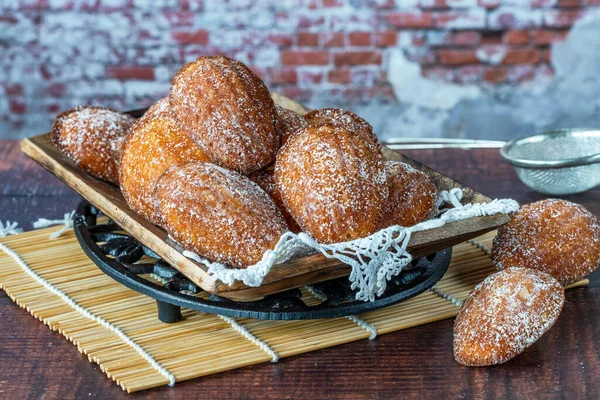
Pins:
<point x="557" y="146"/>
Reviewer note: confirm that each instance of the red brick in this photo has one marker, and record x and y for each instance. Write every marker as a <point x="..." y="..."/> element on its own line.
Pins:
<point x="410" y="20"/>
<point x="521" y="56"/>
<point x="310" y="77"/>
<point x="489" y="3"/>
<point x="546" y="37"/>
<point x="285" y="75"/>
<point x="357" y="58"/>
<point x="465" y="38"/>
<point x="333" y="39"/>
<point x="457" y="57"/>
<point x="360" y="38"/>
<point x="386" y="38"/>
<point x="521" y="73"/>
<point x="381" y="4"/>
<point x="435" y="4"/>
<point x="8" y="19"/>
<point x="308" y="39"/>
<point x="305" y="22"/>
<point x="421" y="55"/>
<point x="56" y="89"/>
<point x="293" y="57"/>
<point x="33" y="4"/>
<point x="279" y="39"/>
<point x="438" y="73"/>
<point x="191" y="37"/>
<point x="542" y="3"/>
<point x="179" y="17"/>
<point x="418" y="39"/>
<point x="17" y="106"/>
<point x="468" y="74"/>
<point x="339" y="76"/>
<point x="115" y="6"/>
<point x="592" y="2"/>
<point x="460" y="19"/>
<point x="545" y="55"/>
<point x="561" y="18"/>
<point x="383" y="90"/>
<point x="191" y="4"/>
<point x="53" y="108"/>
<point x="520" y="37"/>
<point x="491" y="37"/>
<point x="569" y="3"/>
<point x="294" y="92"/>
<point x="131" y="73"/>
<point x="495" y="74"/>
<point x="13" y="89"/>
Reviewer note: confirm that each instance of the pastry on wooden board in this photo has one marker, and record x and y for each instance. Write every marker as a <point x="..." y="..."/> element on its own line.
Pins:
<point x="339" y="118"/>
<point x="86" y="135"/>
<point x="412" y="196"/>
<point x="155" y="144"/>
<point x="288" y="122"/>
<point x="227" y="111"/>
<point x="266" y="180"/>
<point x="332" y="182"/>
<point x="218" y="213"/>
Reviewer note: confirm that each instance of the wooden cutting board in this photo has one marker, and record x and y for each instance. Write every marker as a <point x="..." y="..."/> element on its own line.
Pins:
<point x="292" y="274"/>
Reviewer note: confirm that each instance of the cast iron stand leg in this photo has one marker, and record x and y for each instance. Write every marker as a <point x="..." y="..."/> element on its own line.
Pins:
<point x="168" y="312"/>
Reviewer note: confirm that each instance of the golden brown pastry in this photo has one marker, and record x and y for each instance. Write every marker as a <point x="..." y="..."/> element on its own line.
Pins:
<point x="412" y="195"/>
<point x="85" y="134"/>
<point x="288" y="122"/>
<point x="161" y="107"/>
<point x="153" y="145"/>
<point x="219" y="214"/>
<point x="266" y="180"/>
<point x="228" y="111"/>
<point x="344" y="119"/>
<point x="553" y="236"/>
<point x="332" y="182"/>
<point x="506" y="313"/>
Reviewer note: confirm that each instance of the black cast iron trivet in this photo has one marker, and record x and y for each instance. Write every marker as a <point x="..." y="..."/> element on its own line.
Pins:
<point x="99" y="241"/>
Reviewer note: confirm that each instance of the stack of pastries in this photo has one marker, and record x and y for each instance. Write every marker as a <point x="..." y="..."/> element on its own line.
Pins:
<point x="226" y="172"/>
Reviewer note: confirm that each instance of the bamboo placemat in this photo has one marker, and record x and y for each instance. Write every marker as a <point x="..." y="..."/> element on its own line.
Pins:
<point x="119" y="329"/>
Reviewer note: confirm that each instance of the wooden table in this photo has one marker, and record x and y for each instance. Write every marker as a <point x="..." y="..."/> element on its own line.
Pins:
<point x="35" y="362"/>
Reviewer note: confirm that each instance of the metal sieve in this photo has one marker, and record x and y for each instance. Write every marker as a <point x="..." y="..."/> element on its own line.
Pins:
<point x="557" y="162"/>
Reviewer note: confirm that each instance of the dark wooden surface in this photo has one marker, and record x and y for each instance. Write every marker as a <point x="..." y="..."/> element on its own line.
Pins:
<point x="565" y="363"/>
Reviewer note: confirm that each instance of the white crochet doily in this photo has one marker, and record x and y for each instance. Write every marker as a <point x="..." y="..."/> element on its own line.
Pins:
<point x="374" y="259"/>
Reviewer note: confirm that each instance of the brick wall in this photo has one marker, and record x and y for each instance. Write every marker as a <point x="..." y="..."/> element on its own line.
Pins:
<point x="55" y="54"/>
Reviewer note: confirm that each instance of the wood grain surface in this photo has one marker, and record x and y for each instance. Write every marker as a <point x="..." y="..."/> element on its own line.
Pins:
<point x="415" y="363"/>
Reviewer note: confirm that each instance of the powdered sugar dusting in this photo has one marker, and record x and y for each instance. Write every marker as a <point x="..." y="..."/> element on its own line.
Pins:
<point x="218" y="213"/>
<point x="412" y="195"/>
<point x="85" y="134"/>
<point x="506" y="313"/>
<point x="160" y="108"/>
<point x="154" y="145"/>
<point x="227" y="111"/>
<point x="554" y="236"/>
<point x="332" y="182"/>
<point x="340" y="118"/>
